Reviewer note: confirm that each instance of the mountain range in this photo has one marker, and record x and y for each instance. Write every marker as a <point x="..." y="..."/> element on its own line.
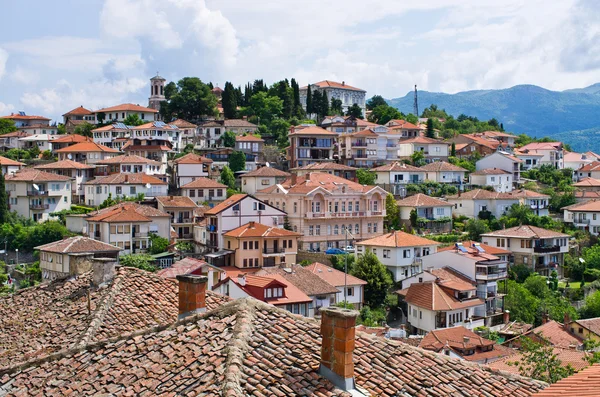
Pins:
<point x="571" y="116"/>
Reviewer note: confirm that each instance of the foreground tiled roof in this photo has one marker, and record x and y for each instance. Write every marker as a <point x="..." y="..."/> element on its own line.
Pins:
<point x="442" y="166"/>
<point x="305" y="280"/>
<point x="203" y="183"/>
<point x="78" y="245"/>
<point x="64" y="165"/>
<point x="431" y="296"/>
<point x="525" y="231"/>
<point x="266" y="172"/>
<point x="124" y="212"/>
<point x="33" y="175"/>
<point x="334" y="276"/>
<point x="398" y="239"/>
<point x="176" y="201"/>
<point x="9" y="162"/>
<point x="422" y="200"/>
<point x="249" y="348"/>
<point x="84" y="147"/>
<point x="130" y="179"/>
<point x="585" y="383"/>
<point x="44" y="319"/>
<point x="397" y="167"/>
<point x="255" y="229"/>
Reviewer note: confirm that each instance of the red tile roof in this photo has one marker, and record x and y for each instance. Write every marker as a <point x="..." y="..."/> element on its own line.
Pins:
<point x="542" y="146"/>
<point x="248" y="138"/>
<point x="431" y="296"/>
<point x="422" y="200"/>
<point x="326" y="167"/>
<point x="332" y="84"/>
<point x="557" y="335"/>
<point x="585" y="383"/>
<point x="440" y="166"/>
<point x="491" y="171"/>
<point x="192" y="158"/>
<point x="586" y="206"/>
<point x="592" y="324"/>
<point x="126" y="212"/>
<point x="468" y="244"/>
<point x="176" y="201"/>
<point x="83" y="147"/>
<point x="397" y="167"/>
<point x="187" y="265"/>
<point x="266" y="172"/>
<point x="398" y="239"/>
<point x="72" y="138"/>
<point x="482" y="194"/>
<point x="128" y="159"/>
<point x="255" y="229"/>
<point x="80" y="111"/>
<point x="237" y="123"/>
<point x="593" y="166"/>
<point x="9" y="162"/>
<point x="226" y="204"/>
<point x="574" y="358"/>
<point x="401" y="124"/>
<point x="423" y="139"/>
<point x="132" y="179"/>
<point x="15" y="134"/>
<point x="13" y="116"/>
<point x="319" y="180"/>
<point x="302" y="278"/>
<point x="587" y="182"/>
<point x="78" y="245"/>
<point x="33" y="175"/>
<point x="64" y="165"/>
<point x="180" y="123"/>
<point x="312" y="130"/>
<point x="334" y="276"/>
<point x="202" y="182"/>
<point x="526" y="231"/>
<point x="127" y="107"/>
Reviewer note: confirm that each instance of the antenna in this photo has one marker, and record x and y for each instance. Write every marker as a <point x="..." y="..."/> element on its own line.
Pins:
<point x="416" y="103"/>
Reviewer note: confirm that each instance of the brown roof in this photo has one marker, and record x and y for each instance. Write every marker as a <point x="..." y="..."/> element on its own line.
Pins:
<point x="64" y="164"/>
<point x="574" y="358"/>
<point x="203" y="183"/>
<point x="80" y="111"/>
<point x="421" y="139"/>
<point x="238" y="123"/>
<point x="222" y="206"/>
<point x="9" y="162"/>
<point x="266" y="172"/>
<point x="586" y="195"/>
<point x="431" y="296"/>
<point x="249" y="348"/>
<point x="255" y="229"/>
<point x="586" y="206"/>
<point x="592" y="324"/>
<point x="131" y="179"/>
<point x="128" y="159"/>
<point x="176" y="201"/>
<point x="47" y="318"/>
<point x="585" y="383"/>
<point x="515" y="328"/>
<point x="469" y="246"/>
<point x="13" y="116"/>
<point x="72" y="138"/>
<point x="86" y="147"/>
<point x="593" y="166"/>
<point x="32" y="175"/>
<point x="127" y="107"/>
<point x="401" y="124"/>
<point x="126" y="212"/>
<point x="248" y="138"/>
<point x="332" y="84"/>
<point x="183" y="124"/>
<point x="398" y="239"/>
<point x="439" y="166"/>
<point x="78" y="245"/>
<point x="526" y="231"/>
<point x="186" y="265"/>
<point x="397" y="167"/>
<point x="314" y="180"/>
<point x="14" y="134"/>
<point x="450" y="278"/>
<point x="422" y="200"/>
<point x="333" y="276"/>
<point x="490" y="171"/>
<point x="587" y="182"/>
<point x="326" y="167"/>
<point x="313" y="130"/>
<point x="192" y="158"/>
<point x="302" y="278"/>
<point x="482" y="194"/>
<point x="557" y="335"/>
<point x="542" y="146"/>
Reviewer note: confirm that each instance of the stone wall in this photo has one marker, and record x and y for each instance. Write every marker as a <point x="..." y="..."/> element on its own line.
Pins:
<point x="313" y="257"/>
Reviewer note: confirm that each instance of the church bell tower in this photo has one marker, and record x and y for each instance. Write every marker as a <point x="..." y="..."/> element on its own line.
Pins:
<point x="157" y="94"/>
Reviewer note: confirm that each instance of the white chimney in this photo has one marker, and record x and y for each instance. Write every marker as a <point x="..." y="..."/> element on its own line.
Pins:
<point x="242" y="279"/>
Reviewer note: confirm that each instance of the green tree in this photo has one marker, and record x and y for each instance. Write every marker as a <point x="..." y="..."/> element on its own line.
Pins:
<point x="392" y="213"/>
<point x="61" y="129"/>
<point x="7" y="126"/>
<point x="475" y="228"/>
<point x="309" y="102"/>
<point x="433" y="112"/>
<point x="365" y="177"/>
<point x="376" y="100"/>
<point x="265" y="107"/>
<point x="591" y="308"/>
<point x="369" y="269"/>
<point x="411" y="118"/>
<point x="227" y="177"/>
<point x="414" y="218"/>
<point x="237" y="160"/>
<point x="100" y="116"/>
<point x="453" y="150"/>
<point x="521" y="303"/>
<point x="336" y="106"/>
<point x="384" y="113"/>
<point x="228" y="139"/>
<point x="229" y="101"/>
<point x="192" y="100"/>
<point x="418" y="158"/>
<point x="538" y="361"/>
<point x="430" y="133"/>
<point x="84" y="129"/>
<point x="170" y="90"/>
<point x="355" y="111"/>
<point x="133" y="120"/>
<point x="139" y="261"/>
<point x="158" y="244"/>
<point x="520" y="272"/>
<point x="4" y="211"/>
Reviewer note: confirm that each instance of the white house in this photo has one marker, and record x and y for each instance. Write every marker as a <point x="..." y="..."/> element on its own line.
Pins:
<point x="10" y="166"/>
<point x="432" y="213"/>
<point x="190" y="167"/>
<point x="503" y="161"/>
<point x="575" y="160"/>
<point x="584" y="215"/>
<point x="202" y="190"/>
<point x="550" y="153"/>
<point x="42" y="141"/>
<point x="130" y="163"/>
<point x="81" y="173"/>
<point x="262" y="178"/>
<point x="591" y="170"/>
<point x="350" y="288"/>
<point x="121" y="112"/>
<point x="397" y="175"/>
<point x="128" y="185"/>
<point x="402" y="253"/>
<point x="36" y="194"/>
<point x="432" y="149"/>
<point x="500" y="180"/>
<point x="112" y="135"/>
<point x="181" y="210"/>
<point x="471" y="203"/>
<point x="443" y="172"/>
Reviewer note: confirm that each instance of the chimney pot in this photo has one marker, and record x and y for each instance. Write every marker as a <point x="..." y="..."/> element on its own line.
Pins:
<point x="242" y="279"/>
<point x="192" y="294"/>
<point x="337" y="346"/>
<point x="294" y="179"/>
<point x="103" y="270"/>
<point x="466" y="339"/>
<point x="506" y="317"/>
<point x="251" y="224"/>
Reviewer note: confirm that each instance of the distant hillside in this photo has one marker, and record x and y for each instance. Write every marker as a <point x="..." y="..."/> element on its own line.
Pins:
<point x="525" y="109"/>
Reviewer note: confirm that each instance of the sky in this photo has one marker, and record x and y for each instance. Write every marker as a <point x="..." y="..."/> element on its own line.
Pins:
<point x="60" y="54"/>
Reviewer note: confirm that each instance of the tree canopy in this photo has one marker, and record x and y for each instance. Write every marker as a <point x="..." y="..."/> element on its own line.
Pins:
<point x="227" y="177"/>
<point x="237" y="161"/>
<point x="355" y="111"/>
<point x="365" y="177"/>
<point x="190" y="99"/>
<point x="378" y="278"/>
<point x="228" y="139"/>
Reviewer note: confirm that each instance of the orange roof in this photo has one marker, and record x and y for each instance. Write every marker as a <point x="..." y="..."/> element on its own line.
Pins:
<point x="80" y="111"/>
<point x="333" y="84"/>
<point x="422" y="200"/>
<point x="557" y="335"/>
<point x="394" y="124"/>
<point x="128" y="159"/>
<point x="183" y="124"/>
<point x="192" y="158"/>
<point x="312" y="130"/>
<point x="226" y="204"/>
<point x="459" y="338"/>
<point x="203" y="183"/>
<point x="72" y="138"/>
<point x="83" y="147"/>
<point x="248" y="138"/>
<point x="542" y="146"/>
<point x="126" y="212"/>
<point x="450" y="278"/>
<point x="314" y="180"/>
<point x="490" y="171"/>
<point x="9" y="162"/>
<point x="153" y="125"/>
<point x="585" y="383"/>
<point x="326" y="167"/>
<point x="24" y="117"/>
<point x="593" y="166"/>
<point x="468" y="244"/>
<point x="422" y="139"/>
<point x="131" y="179"/>
<point x="65" y="165"/>
<point x="176" y="201"/>
<point x="490" y="143"/>
<point x="574" y="358"/>
<point x="366" y="132"/>
<point x="14" y="134"/>
<point x="586" y="206"/>
<point x="439" y="166"/>
<point x="255" y="229"/>
<point x="585" y="182"/>
<point x="398" y="239"/>
<point x="266" y="172"/>
<point x="525" y="231"/>
<point x="431" y="296"/>
<point x="334" y="276"/>
<point x="482" y="194"/>
<point x="397" y="167"/>
<point x="127" y="107"/>
<point x="32" y="175"/>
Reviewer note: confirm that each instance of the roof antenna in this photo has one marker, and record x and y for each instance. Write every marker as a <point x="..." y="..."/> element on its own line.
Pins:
<point x="416" y="103"/>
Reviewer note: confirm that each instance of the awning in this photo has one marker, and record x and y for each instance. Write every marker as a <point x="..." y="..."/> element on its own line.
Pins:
<point x="219" y="254"/>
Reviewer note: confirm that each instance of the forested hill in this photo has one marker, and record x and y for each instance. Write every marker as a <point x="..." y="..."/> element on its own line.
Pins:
<point x="572" y="115"/>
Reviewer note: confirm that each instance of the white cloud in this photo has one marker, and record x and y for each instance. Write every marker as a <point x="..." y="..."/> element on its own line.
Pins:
<point x="6" y="108"/>
<point x="24" y="76"/>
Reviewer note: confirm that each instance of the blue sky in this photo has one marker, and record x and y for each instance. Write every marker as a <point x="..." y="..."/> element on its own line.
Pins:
<point x="57" y="55"/>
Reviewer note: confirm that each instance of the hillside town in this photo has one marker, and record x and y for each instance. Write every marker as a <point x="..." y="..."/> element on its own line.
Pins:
<point x="283" y="240"/>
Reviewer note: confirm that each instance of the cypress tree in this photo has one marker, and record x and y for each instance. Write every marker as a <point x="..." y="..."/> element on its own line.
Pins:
<point x="296" y="90"/>
<point x="453" y="150"/>
<point x="3" y="201"/>
<point x="309" y="101"/>
<point x="430" y="132"/>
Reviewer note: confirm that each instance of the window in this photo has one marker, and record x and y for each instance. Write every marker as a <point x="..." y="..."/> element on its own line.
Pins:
<point x="500" y="242"/>
<point x="318" y="230"/>
<point x="375" y="228"/>
<point x="439" y="211"/>
<point x="295" y="208"/>
<point x="336" y="229"/>
<point x="245" y="263"/>
<point x="255" y="245"/>
<point x="356" y="229"/>
<point x="310" y="230"/>
<point x="132" y="190"/>
<point x="350" y="291"/>
<point x="245" y="245"/>
<point x="420" y="315"/>
<point x="369" y="226"/>
<point x="386" y="253"/>
<point x="526" y="243"/>
<point x="356" y="207"/>
<point x="264" y="181"/>
<point x="290" y="245"/>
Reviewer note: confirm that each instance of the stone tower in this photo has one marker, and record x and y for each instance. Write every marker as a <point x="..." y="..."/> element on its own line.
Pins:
<point x="157" y="94"/>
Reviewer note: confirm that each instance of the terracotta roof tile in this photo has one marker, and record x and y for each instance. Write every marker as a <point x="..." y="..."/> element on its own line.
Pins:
<point x="574" y="358"/>
<point x="72" y="138"/>
<point x="176" y="201"/>
<point x="313" y="130"/>
<point x="326" y="166"/>
<point x="584" y="383"/>
<point x="83" y="147"/>
<point x="80" y="111"/>
<point x="431" y="296"/>
<point x="248" y="138"/>
<point x="124" y="212"/>
<point x="203" y="183"/>
<point x="127" y="107"/>
<point x="422" y="139"/>
<point x="542" y="146"/>
<point x="490" y="171"/>
<point x="482" y="194"/>
<point x="593" y="166"/>
<point x="440" y="166"/>
<point x="398" y="239"/>
<point x="586" y="206"/>
<point x="397" y="167"/>
<point x="128" y="159"/>
<point x="226" y="204"/>
<point x="192" y="158"/>
<point x="422" y="200"/>
<point x="593" y="324"/>
<point x="9" y="162"/>
<point x="180" y="123"/>
<point x="526" y="231"/>
<point x="587" y="182"/>
<point x="266" y="172"/>
<point x="34" y="175"/>
<point x="64" y="165"/>
<point x="238" y="123"/>
<point x="557" y="335"/>
<point x="255" y="229"/>
<point x="302" y="278"/>
<point x="24" y="117"/>
<point x="187" y="265"/>
<point x="468" y="244"/>
<point x="402" y="124"/>
<point x="333" y="276"/>
<point x="131" y="179"/>
<point x="320" y="180"/>
<point x="78" y="245"/>
<point x="332" y="84"/>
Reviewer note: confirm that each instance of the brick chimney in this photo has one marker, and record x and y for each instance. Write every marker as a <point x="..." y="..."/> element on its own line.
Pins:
<point x="337" y="348"/>
<point x="103" y="270"/>
<point x="566" y="321"/>
<point x="192" y="294"/>
<point x="294" y="179"/>
<point x="544" y="318"/>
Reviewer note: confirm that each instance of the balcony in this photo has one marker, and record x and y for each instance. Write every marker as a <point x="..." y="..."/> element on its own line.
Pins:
<point x="391" y="145"/>
<point x="490" y="276"/>
<point x="212" y="228"/>
<point x="38" y="206"/>
<point x="581" y="222"/>
<point x="375" y="213"/>
<point x="268" y="262"/>
<point x="37" y="193"/>
<point x="486" y="294"/>
<point x="186" y="236"/>
<point x="181" y="220"/>
<point x="355" y="214"/>
<point x="140" y="234"/>
<point x="359" y="144"/>
<point x="546" y="249"/>
<point x="272" y="250"/>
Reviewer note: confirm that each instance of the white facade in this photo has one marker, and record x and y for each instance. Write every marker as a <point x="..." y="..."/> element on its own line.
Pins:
<point x="403" y="262"/>
<point x="187" y="173"/>
<point x="96" y="194"/>
<point x="252" y="184"/>
<point x="132" y="237"/>
<point x="433" y="151"/>
<point x="501" y="183"/>
<point x="38" y="203"/>
<point x="42" y="141"/>
<point x="425" y="320"/>
<point x="501" y="161"/>
<point x="347" y="96"/>
<point x="445" y="176"/>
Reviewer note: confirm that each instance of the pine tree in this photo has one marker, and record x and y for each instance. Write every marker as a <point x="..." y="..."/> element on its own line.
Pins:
<point x="430" y="132"/>
<point x="453" y="150"/>
<point x="296" y="93"/>
<point x="3" y="201"/>
<point x="309" y="101"/>
<point x="247" y="94"/>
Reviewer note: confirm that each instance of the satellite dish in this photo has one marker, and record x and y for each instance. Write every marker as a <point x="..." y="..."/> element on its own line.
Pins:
<point x="148" y="186"/>
<point x="267" y="164"/>
<point x="36" y="187"/>
<point x="70" y="156"/>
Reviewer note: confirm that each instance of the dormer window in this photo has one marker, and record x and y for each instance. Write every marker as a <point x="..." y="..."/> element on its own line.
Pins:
<point x="273" y="292"/>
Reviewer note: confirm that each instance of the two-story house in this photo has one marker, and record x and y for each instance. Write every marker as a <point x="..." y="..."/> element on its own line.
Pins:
<point x="86" y="153"/>
<point x="10" y="166"/>
<point x="443" y="172"/>
<point x="255" y="245"/>
<point x="309" y="145"/>
<point x="234" y="212"/>
<point x="262" y="178"/>
<point x="539" y="249"/>
<point x="400" y="252"/>
<point x="181" y="209"/>
<point x="467" y="145"/>
<point x="11" y="140"/>
<point x="190" y="167"/>
<point x="81" y="173"/>
<point x="203" y="190"/>
<point x="432" y="213"/>
<point x="327" y="210"/>
<point x="403" y="129"/>
<point x="584" y="215"/>
<point x="32" y="125"/>
<point x="474" y="201"/>
<point x="126" y="225"/>
<point x="550" y="153"/>
<point x="502" y="181"/>
<point x="43" y="142"/>
<point x="120" y="112"/>
<point x="337" y="169"/>
<point x="359" y="149"/>
<point x="432" y="149"/>
<point x="76" y="117"/>
<point x="188" y="132"/>
<point x="114" y="136"/>
<point x="397" y="175"/>
<point x="151" y="141"/>
<point x="591" y="170"/>
<point x="62" y="141"/>
<point x="350" y="289"/>
<point x="36" y="194"/>
<point x="72" y="256"/>
<point x="484" y="266"/>
<point x="250" y="144"/>
<point x="587" y="189"/>
<point x="503" y="161"/>
<point x="130" y="164"/>
<point x="128" y="185"/>
<point x="575" y="160"/>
